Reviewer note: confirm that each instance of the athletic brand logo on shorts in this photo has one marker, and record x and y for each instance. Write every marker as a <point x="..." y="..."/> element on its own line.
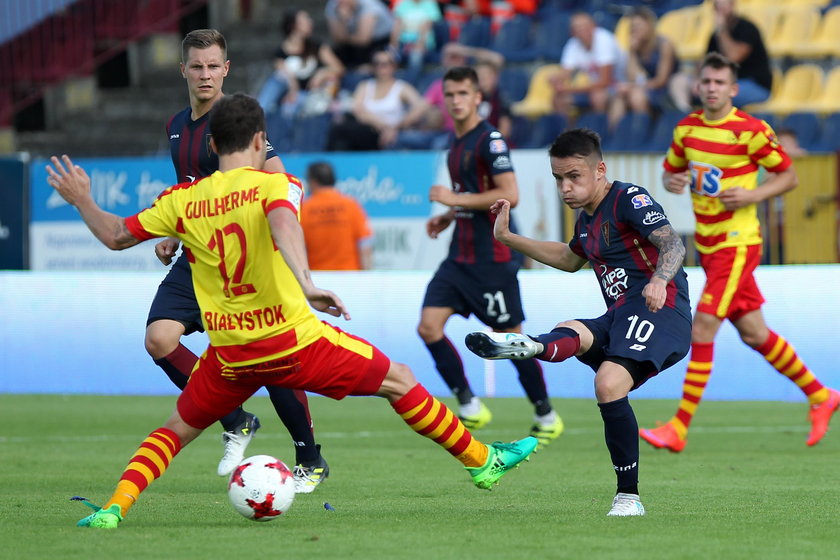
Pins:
<point x="498" y="146"/>
<point x="501" y="162"/>
<point x="641" y="200"/>
<point x="653" y="217"/>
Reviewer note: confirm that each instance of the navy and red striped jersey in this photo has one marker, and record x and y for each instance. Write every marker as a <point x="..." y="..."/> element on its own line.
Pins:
<point x="614" y="239"/>
<point x="189" y="142"/>
<point x="474" y="160"/>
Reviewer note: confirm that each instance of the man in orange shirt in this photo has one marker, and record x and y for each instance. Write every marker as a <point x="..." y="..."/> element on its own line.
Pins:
<point x="717" y="152"/>
<point x="338" y="236"/>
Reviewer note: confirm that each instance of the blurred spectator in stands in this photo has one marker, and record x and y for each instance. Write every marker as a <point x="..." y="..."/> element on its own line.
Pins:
<point x="494" y="108"/>
<point x="413" y="32"/>
<point x="386" y="111"/>
<point x="590" y="63"/>
<point x="358" y="28"/>
<point x="306" y="71"/>
<point x="740" y="40"/>
<point x="452" y="55"/>
<point x="651" y="63"/>
<point x="335" y="226"/>
<point x="789" y="141"/>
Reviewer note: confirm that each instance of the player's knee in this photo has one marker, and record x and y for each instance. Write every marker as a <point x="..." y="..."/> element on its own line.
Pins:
<point x="399" y="381"/>
<point x="754" y="339"/>
<point x="428" y="332"/>
<point x="160" y="342"/>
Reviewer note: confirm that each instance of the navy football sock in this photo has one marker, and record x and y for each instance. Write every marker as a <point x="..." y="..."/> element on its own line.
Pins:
<point x="532" y="380"/>
<point x="293" y="409"/>
<point x="559" y="344"/>
<point x="621" y="432"/>
<point x="451" y="369"/>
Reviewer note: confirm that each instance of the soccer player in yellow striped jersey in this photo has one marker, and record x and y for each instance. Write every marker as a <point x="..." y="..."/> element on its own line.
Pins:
<point x="717" y="152"/>
<point x="254" y="288"/>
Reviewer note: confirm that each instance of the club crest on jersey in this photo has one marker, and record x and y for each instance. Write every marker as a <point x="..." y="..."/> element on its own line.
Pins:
<point x="498" y="146"/>
<point x="705" y="178"/>
<point x="641" y="200"/>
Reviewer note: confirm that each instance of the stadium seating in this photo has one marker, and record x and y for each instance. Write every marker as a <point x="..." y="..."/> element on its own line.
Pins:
<point x="806" y="126"/>
<point x="798" y="24"/>
<point x="310" y="134"/>
<point x="828" y="100"/>
<point x="540" y="97"/>
<point x="631" y="133"/>
<point x="596" y="122"/>
<point x="663" y="131"/>
<point x="476" y="33"/>
<point x="799" y="86"/>
<point x="514" y="40"/>
<point x="830" y="137"/>
<point x="513" y="83"/>
<point x="767" y="17"/>
<point x="824" y="42"/>
<point x="552" y="34"/>
<point x="546" y="129"/>
<point x="622" y="32"/>
<point x="689" y="29"/>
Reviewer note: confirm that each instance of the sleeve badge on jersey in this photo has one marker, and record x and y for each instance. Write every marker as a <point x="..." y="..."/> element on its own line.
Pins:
<point x="495" y="134"/>
<point x="641" y="200"/>
<point x="653" y="217"/>
<point x="295" y="194"/>
<point x="498" y="146"/>
<point x="502" y="162"/>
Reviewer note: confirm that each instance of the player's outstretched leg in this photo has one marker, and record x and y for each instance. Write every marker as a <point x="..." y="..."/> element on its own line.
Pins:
<point x="486" y="464"/>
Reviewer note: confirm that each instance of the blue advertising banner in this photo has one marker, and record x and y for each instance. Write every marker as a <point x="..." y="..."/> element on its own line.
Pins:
<point x="14" y="214"/>
<point x="392" y="187"/>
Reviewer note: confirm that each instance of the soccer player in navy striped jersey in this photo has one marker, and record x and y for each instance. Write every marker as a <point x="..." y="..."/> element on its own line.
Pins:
<point x="174" y="311"/>
<point x="479" y="274"/>
<point x="637" y="258"/>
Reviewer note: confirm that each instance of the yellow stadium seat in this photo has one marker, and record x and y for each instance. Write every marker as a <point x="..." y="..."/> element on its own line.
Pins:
<point x="798" y="25"/>
<point x="688" y="29"/>
<point x="774" y="93"/>
<point x="828" y="99"/>
<point x="800" y="85"/>
<point x="622" y="32"/>
<point x="767" y="17"/>
<point x="539" y="100"/>
<point x="825" y="41"/>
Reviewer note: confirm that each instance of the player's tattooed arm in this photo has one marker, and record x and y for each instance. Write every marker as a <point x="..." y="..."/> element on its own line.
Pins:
<point x="122" y="237"/>
<point x="671" y="252"/>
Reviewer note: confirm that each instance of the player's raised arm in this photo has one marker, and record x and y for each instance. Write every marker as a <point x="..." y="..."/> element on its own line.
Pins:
<point x="288" y="236"/>
<point x="73" y="184"/>
<point x="553" y="253"/>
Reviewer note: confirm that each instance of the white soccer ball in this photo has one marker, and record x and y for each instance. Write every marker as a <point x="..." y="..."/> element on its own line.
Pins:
<point x="261" y="488"/>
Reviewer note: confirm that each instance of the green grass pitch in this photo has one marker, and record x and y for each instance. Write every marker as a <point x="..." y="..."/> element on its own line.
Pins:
<point x="745" y="487"/>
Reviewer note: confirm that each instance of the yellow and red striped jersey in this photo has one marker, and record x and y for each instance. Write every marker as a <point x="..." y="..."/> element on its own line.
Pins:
<point x="252" y="306"/>
<point x="721" y="155"/>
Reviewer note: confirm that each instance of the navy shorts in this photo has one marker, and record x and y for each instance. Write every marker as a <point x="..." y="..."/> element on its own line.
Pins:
<point x="175" y="298"/>
<point x="642" y="341"/>
<point x="490" y="292"/>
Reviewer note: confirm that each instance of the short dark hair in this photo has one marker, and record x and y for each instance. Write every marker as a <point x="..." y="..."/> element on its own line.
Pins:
<point x="461" y="73"/>
<point x="717" y="61"/>
<point x="203" y="39"/>
<point x="234" y="119"/>
<point x="320" y="172"/>
<point x="577" y="142"/>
